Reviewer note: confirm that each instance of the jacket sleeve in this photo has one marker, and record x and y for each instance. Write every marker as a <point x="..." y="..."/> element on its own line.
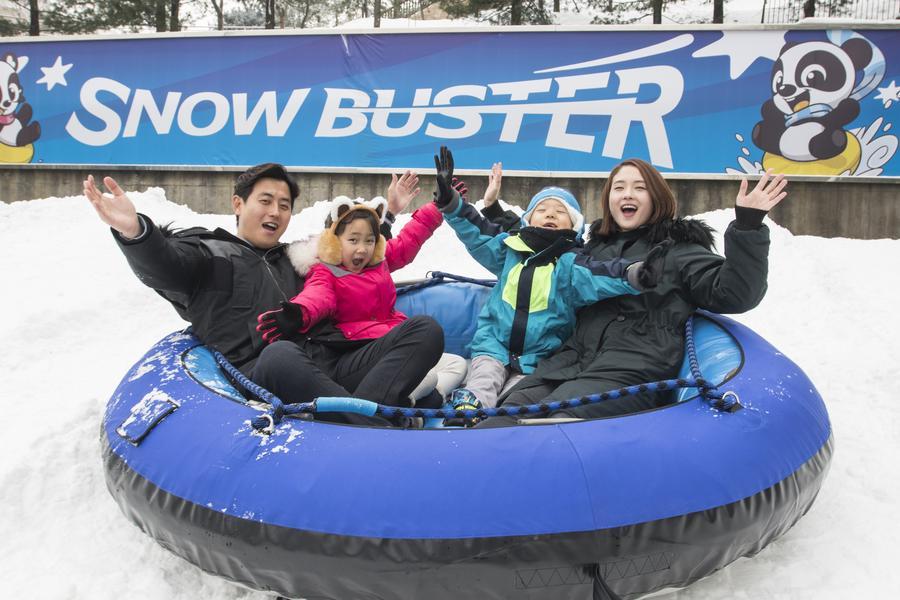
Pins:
<point x="733" y="284"/>
<point x="169" y="264"/>
<point x="401" y="250"/>
<point x="504" y="219"/>
<point x="482" y="239"/>
<point x="591" y="280"/>
<point x="318" y="297"/>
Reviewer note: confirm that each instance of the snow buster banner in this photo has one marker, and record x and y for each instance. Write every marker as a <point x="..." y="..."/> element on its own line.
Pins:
<point x="543" y="101"/>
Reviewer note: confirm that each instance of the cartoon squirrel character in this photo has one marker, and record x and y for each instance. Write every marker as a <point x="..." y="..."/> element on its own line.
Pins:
<point x="15" y="114"/>
<point x="816" y="93"/>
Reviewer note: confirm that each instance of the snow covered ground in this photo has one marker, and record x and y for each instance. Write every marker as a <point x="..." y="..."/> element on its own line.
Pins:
<point x="74" y="319"/>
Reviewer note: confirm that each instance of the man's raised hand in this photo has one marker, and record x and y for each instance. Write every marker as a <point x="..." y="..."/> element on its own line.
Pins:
<point x="115" y="209"/>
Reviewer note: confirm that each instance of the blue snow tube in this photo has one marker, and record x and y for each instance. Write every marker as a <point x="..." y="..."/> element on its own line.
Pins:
<point x="630" y="504"/>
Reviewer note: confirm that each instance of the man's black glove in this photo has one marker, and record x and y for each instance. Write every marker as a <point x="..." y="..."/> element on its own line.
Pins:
<point x="647" y="273"/>
<point x="281" y="323"/>
<point x="444" y="166"/>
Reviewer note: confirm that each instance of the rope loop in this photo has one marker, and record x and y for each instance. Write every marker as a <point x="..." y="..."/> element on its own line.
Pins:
<point x="436" y="277"/>
<point x="727" y="402"/>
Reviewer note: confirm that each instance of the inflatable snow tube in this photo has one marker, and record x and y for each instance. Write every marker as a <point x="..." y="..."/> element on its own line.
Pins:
<point x="315" y="510"/>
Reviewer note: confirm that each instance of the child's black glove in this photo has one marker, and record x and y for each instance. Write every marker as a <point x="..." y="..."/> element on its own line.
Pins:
<point x="647" y="273"/>
<point x="444" y="166"/>
<point x="462" y="189"/>
<point x="281" y="323"/>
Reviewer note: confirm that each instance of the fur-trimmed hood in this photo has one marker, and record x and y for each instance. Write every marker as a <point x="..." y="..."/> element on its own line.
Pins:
<point x="679" y="229"/>
<point x="303" y="254"/>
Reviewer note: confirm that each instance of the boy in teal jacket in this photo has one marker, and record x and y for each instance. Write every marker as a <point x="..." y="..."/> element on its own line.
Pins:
<point x="542" y="279"/>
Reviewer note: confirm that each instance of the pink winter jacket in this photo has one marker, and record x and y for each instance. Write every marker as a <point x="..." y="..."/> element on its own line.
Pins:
<point x="362" y="304"/>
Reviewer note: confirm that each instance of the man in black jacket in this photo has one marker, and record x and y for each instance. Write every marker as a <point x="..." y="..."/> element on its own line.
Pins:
<point x="220" y="282"/>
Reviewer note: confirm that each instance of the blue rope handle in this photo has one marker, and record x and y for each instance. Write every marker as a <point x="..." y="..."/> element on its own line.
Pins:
<point x="727" y="402"/>
<point x="369" y="408"/>
<point x="436" y="277"/>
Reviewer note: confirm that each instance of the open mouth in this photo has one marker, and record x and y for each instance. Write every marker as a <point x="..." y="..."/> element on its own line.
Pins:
<point x="270" y="226"/>
<point x="358" y="262"/>
<point x="549" y="225"/>
<point x="800" y="102"/>
<point x="629" y="209"/>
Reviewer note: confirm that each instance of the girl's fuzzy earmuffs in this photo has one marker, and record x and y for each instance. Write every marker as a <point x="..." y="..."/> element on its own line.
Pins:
<point x="330" y="245"/>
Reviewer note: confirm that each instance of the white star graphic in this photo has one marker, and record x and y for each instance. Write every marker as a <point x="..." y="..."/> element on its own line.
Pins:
<point x="889" y="94"/>
<point x="55" y="74"/>
<point x="743" y="48"/>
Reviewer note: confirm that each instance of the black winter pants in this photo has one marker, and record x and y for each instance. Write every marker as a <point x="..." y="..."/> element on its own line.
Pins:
<point x="385" y="370"/>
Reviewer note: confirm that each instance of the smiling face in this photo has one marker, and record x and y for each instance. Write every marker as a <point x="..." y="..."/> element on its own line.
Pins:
<point x="630" y="204"/>
<point x="265" y="214"/>
<point x="357" y="244"/>
<point x="551" y="214"/>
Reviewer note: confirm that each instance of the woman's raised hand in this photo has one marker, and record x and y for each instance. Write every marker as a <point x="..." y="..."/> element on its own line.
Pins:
<point x="115" y="209"/>
<point x="768" y="192"/>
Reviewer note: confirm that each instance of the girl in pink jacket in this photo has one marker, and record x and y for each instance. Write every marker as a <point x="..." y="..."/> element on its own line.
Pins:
<point x="344" y="318"/>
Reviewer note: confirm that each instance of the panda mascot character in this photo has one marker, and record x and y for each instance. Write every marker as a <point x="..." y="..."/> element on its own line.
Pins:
<point x="815" y="93"/>
<point x="17" y="131"/>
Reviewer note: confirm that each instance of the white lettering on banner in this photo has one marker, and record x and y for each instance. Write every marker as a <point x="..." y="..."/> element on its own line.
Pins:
<point x="112" y="122"/>
<point x="470" y="118"/>
<point x="517" y="91"/>
<point x="220" y="114"/>
<point x="161" y="120"/>
<point x="174" y="110"/>
<point x="413" y="123"/>
<point x="333" y="111"/>
<point x="276" y="125"/>
<point x="340" y="120"/>
<point x="348" y="112"/>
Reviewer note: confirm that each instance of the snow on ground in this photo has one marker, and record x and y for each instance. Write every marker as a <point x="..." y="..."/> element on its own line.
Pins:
<point x="74" y="319"/>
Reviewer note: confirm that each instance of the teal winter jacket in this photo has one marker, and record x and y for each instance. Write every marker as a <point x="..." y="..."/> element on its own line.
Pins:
<point x="531" y="310"/>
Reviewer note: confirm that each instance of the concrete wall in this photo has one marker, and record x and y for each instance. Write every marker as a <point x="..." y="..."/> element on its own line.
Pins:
<point x="866" y="209"/>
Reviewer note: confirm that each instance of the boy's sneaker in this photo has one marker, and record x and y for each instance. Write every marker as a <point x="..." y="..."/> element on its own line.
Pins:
<point x="461" y="399"/>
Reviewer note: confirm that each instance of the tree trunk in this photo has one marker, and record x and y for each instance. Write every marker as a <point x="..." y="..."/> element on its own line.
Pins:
<point x="809" y="9"/>
<point x="269" y="14"/>
<point x="515" y="13"/>
<point x="174" y="19"/>
<point x="220" y="14"/>
<point x="160" y="15"/>
<point x="556" y="6"/>
<point x="657" y="11"/>
<point x="34" y="27"/>
<point x="376" y="13"/>
<point x="718" y="11"/>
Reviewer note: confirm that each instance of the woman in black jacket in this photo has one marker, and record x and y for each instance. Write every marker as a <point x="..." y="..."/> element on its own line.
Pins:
<point x="630" y="340"/>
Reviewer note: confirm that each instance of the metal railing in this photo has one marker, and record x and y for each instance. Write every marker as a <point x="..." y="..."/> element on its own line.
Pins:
<point x="791" y="11"/>
<point x="403" y="9"/>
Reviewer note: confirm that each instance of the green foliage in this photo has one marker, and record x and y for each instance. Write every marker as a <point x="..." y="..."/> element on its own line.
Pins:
<point x="88" y="16"/>
<point x="10" y="27"/>
<point x="624" y="12"/>
<point x="503" y="12"/>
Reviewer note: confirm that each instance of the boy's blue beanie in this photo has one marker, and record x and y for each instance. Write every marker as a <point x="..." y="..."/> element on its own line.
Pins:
<point x="564" y="196"/>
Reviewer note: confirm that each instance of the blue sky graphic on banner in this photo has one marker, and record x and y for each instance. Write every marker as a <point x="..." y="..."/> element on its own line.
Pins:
<point x="801" y="101"/>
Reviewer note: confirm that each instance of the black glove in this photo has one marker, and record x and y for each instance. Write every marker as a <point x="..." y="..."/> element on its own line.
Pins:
<point x="461" y="188"/>
<point x="444" y="166"/>
<point x="647" y="273"/>
<point x="281" y="323"/>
